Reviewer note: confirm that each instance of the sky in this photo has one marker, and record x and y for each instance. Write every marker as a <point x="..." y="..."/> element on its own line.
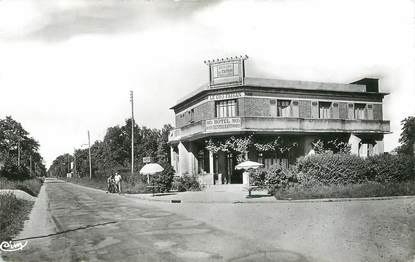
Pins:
<point x="67" y="66"/>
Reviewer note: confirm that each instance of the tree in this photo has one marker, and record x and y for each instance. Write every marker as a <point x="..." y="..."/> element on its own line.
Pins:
<point x="17" y="146"/>
<point x="407" y="138"/>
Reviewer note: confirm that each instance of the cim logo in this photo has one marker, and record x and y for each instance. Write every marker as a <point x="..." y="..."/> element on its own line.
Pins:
<point x="10" y="246"/>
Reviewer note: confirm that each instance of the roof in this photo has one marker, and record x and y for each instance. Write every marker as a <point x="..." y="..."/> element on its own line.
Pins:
<point x="355" y="87"/>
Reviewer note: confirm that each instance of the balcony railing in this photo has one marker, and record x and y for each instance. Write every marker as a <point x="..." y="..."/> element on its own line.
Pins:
<point x="276" y="125"/>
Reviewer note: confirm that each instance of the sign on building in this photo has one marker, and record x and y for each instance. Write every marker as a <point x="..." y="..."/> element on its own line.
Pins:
<point x="226" y="96"/>
<point x="223" y="123"/>
<point x="226" y="71"/>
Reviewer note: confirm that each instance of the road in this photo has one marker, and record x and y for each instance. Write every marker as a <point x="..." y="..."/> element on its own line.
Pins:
<point x="74" y="223"/>
<point x="84" y="224"/>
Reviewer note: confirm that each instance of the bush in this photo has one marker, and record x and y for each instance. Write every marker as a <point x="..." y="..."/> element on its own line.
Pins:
<point x="164" y="180"/>
<point x="329" y="169"/>
<point x="187" y="183"/>
<point x="273" y="178"/>
<point x="390" y="168"/>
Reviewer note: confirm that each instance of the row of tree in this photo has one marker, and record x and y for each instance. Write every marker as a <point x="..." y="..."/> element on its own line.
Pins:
<point x="19" y="152"/>
<point x="113" y="153"/>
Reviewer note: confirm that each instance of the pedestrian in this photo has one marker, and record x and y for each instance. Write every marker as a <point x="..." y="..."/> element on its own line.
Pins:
<point x="118" y="179"/>
<point x="110" y="183"/>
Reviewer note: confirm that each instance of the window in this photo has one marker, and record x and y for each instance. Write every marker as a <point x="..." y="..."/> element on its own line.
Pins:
<point x="226" y="108"/>
<point x="324" y="109"/>
<point x="359" y="111"/>
<point x="192" y="114"/>
<point x="283" y="108"/>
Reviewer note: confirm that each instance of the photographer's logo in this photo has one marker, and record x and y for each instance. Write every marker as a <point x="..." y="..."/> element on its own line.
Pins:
<point x="9" y="246"/>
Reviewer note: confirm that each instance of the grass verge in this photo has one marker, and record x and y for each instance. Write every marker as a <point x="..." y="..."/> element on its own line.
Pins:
<point x="31" y="186"/>
<point x="369" y="189"/>
<point x="13" y="213"/>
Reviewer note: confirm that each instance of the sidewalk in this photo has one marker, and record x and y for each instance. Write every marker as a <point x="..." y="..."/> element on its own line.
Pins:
<point x="207" y="197"/>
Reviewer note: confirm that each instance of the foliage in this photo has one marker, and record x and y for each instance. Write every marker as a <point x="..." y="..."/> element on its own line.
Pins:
<point x="327" y="145"/>
<point x="367" y="189"/>
<point x="328" y="168"/>
<point x="187" y="183"/>
<point x="163" y="180"/>
<point x="273" y="178"/>
<point x="14" y="139"/>
<point x="114" y="152"/>
<point x="13" y="212"/>
<point x="407" y="138"/>
<point x="390" y="168"/>
<point x="31" y="186"/>
<point x="241" y="145"/>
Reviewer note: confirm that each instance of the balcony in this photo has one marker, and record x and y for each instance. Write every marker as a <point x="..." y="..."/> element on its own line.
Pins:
<point x="271" y="125"/>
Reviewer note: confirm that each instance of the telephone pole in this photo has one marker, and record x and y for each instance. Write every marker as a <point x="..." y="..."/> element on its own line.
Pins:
<point x="30" y="165"/>
<point x="89" y="156"/>
<point x="132" y="131"/>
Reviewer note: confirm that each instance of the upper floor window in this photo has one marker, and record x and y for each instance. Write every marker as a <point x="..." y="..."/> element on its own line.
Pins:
<point x="324" y="109"/>
<point x="359" y="111"/>
<point x="283" y="108"/>
<point x="226" y="108"/>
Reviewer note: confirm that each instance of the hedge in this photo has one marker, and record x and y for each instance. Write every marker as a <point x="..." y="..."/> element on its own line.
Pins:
<point x="336" y="169"/>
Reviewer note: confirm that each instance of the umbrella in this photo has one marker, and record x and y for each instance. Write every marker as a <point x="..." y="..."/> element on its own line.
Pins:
<point x="151" y="169"/>
<point x="248" y="165"/>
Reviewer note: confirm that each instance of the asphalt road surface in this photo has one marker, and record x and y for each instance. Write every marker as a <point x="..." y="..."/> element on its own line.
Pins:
<point x="74" y="223"/>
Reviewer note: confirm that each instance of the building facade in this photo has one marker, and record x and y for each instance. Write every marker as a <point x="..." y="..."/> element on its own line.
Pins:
<point x="280" y="119"/>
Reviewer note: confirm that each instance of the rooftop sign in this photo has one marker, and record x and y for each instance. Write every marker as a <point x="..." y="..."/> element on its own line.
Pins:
<point x="226" y="71"/>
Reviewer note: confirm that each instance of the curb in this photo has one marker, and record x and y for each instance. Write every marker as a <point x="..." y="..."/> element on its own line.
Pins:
<point x="277" y="201"/>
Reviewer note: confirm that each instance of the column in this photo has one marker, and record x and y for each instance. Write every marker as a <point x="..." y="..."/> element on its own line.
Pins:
<point x="183" y="165"/>
<point x="211" y="170"/>
<point x="354" y="143"/>
<point x="193" y="163"/>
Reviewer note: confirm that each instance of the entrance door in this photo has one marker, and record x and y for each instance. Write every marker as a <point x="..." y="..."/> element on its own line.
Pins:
<point x="235" y="175"/>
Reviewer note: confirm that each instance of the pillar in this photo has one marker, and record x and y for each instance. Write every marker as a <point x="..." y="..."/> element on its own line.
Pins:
<point x="378" y="149"/>
<point x="192" y="155"/>
<point x="183" y="165"/>
<point x="173" y="159"/>
<point x="211" y="170"/>
<point x="354" y="144"/>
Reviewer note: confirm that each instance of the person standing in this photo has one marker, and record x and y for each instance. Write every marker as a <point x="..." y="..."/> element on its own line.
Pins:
<point x="118" y="179"/>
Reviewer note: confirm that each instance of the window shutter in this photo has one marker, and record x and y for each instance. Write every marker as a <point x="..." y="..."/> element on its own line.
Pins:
<point x="295" y="109"/>
<point x="369" y="109"/>
<point x="350" y="111"/>
<point x="314" y="109"/>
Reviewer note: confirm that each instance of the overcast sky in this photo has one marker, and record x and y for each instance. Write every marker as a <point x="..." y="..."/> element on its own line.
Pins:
<point x="66" y="66"/>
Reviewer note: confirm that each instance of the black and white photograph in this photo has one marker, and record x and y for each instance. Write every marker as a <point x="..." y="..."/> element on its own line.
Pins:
<point x="207" y="130"/>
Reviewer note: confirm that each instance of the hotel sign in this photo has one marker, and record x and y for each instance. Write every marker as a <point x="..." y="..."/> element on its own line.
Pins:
<point x="223" y="123"/>
<point x="226" y="96"/>
<point x="226" y="71"/>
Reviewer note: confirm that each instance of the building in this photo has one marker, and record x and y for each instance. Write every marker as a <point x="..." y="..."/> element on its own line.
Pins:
<point x="280" y="119"/>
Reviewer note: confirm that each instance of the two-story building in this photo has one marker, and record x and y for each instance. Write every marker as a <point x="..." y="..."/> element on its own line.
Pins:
<point x="232" y="105"/>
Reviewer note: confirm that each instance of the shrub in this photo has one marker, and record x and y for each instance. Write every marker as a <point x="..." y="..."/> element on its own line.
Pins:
<point x="187" y="183"/>
<point x="331" y="168"/>
<point x="273" y="178"/>
<point x="390" y="168"/>
<point x="164" y="180"/>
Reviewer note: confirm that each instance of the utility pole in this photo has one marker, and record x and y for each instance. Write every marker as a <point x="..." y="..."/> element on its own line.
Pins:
<point x="132" y="131"/>
<point x="18" y="154"/>
<point x="30" y="159"/>
<point x="74" y="162"/>
<point x="89" y="156"/>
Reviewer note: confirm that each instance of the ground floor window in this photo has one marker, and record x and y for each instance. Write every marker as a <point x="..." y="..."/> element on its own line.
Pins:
<point x="269" y="159"/>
